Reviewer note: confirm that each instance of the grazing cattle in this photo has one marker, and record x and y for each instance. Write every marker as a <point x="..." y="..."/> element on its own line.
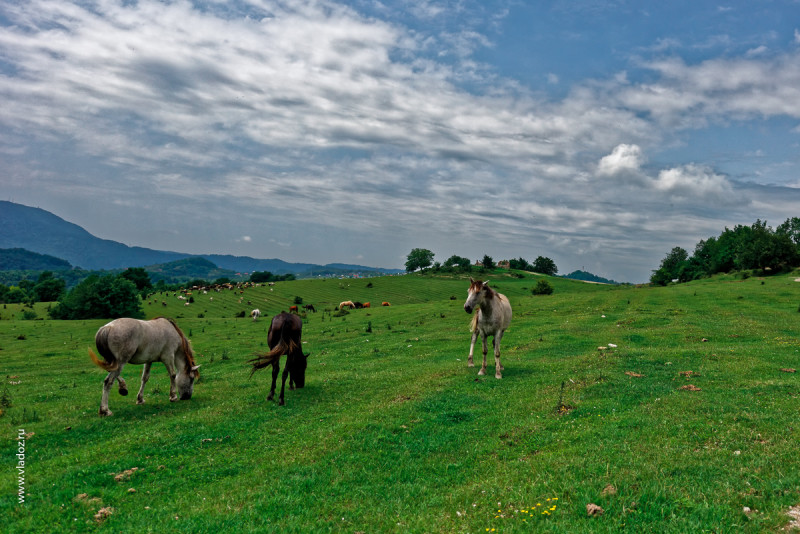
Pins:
<point x="143" y="342"/>
<point x="293" y="309"/>
<point x="384" y="303"/>
<point x="284" y="337"/>
<point x="347" y="303"/>
<point x="358" y="305"/>
<point x="366" y="304"/>
<point x="255" y="314"/>
<point x="310" y="307"/>
<point x="163" y="303"/>
<point x="492" y="319"/>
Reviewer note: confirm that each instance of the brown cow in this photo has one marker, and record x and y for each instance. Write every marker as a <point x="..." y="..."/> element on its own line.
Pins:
<point x="385" y="304"/>
<point x="293" y="309"/>
<point x="366" y="304"/>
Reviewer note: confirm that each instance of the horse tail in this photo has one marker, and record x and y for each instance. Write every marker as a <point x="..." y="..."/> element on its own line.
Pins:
<point x="101" y="340"/>
<point x="473" y="324"/>
<point x="266" y="359"/>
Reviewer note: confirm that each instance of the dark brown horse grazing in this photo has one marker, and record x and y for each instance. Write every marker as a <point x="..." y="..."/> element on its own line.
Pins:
<point x="284" y="338"/>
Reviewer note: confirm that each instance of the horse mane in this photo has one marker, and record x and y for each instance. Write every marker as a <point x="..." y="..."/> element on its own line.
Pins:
<point x="187" y="348"/>
<point x="480" y="285"/>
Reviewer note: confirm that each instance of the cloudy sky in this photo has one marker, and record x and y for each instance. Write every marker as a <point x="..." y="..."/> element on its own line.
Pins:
<point x="600" y="134"/>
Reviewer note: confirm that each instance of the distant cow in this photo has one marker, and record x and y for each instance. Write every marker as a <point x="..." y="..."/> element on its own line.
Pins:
<point x="385" y="304"/>
<point x="293" y="309"/>
<point x="366" y="304"/>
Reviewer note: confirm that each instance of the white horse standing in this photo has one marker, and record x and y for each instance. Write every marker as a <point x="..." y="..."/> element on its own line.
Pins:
<point x="491" y="319"/>
<point x="143" y="342"/>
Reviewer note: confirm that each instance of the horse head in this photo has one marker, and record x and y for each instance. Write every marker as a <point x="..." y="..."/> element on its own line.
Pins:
<point x="475" y="295"/>
<point x="185" y="381"/>
<point x="298" y="369"/>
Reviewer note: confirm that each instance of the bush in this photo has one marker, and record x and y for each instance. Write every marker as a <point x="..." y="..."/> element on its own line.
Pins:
<point x="106" y="297"/>
<point x="543" y="287"/>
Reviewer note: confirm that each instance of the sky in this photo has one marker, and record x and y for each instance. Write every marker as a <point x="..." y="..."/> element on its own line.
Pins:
<point x="599" y="134"/>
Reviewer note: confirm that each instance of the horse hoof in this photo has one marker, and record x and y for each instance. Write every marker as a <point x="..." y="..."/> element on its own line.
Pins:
<point x="174" y="399"/>
<point x="123" y="391"/>
<point x="139" y="401"/>
<point x="105" y="413"/>
<point x="481" y="372"/>
<point x="470" y="364"/>
<point x="280" y="403"/>
<point x="498" y="376"/>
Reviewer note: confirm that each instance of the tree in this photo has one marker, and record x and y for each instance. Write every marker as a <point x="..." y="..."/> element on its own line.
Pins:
<point x="520" y="264"/>
<point x="545" y="266"/>
<point x="671" y="267"/>
<point x="106" y="297"/>
<point x="790" y="227"/>
<point x="139" y="277"/>
<point x="419" y="258"/>
<point x="48" y="288"/>
<point x="487" y="262"/>
<point x="457" y="261"/>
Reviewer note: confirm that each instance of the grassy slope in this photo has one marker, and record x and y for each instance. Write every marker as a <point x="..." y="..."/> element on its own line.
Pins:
<point x="393" y="433"/>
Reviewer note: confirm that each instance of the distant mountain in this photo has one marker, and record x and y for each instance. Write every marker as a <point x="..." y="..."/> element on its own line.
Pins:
<point x="588" y="277"/>
<point x="19" y="259"/>
<point x="40" y="231"/>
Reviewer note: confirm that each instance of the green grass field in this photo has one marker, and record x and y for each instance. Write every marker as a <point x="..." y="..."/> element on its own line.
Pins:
<point x="393" y="433"/>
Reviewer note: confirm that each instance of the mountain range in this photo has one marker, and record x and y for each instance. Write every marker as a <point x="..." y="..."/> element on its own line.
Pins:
<point x="43" y="232"/>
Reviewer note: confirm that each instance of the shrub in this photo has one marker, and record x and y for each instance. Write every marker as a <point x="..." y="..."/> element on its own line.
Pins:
<point x="542" y="287"/>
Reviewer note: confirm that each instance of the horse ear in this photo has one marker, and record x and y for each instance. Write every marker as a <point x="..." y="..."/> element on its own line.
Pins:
<point x="486" y="284"/>
<point x="471" y="280"/>
<point x="195" y="368"/>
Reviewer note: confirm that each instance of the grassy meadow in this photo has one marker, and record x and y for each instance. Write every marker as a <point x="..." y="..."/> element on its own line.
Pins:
<point x="687" y="420"/>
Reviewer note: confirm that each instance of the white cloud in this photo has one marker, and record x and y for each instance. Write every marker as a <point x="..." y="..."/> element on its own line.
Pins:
<point x="624" y="158"/>
<point x="694" y="181"/>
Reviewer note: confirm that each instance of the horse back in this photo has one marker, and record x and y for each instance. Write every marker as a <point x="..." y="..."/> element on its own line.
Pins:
<point x="285" y="328"/>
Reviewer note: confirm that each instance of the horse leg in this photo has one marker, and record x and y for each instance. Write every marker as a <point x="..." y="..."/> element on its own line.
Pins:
<point x="173" y="388"/>
<point x="485" y="350"/>
<point x="276" y="367"/>
<point x="496" y="344"/>
<point x="470" y="363"/>
<point x="107" y="383"/>
<point x="145" y="377"/>
<point x="290" y="359"/>
<point x="123" y="387"/>
<point x="283" y="383"/>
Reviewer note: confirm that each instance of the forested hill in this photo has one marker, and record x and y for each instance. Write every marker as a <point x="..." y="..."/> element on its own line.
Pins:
<point x="40" y="231"/>
<point x="588" y="277"/>
<point x="18" y="259"/>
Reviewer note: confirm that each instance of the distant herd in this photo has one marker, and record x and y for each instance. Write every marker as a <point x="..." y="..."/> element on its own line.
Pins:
<point x="134" y="341"/>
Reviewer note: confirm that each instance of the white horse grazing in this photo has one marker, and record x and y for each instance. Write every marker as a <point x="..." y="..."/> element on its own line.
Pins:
<point x="255" y="314"/>
<point x="143" y="342"/>
<point x="491" y="319"/>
